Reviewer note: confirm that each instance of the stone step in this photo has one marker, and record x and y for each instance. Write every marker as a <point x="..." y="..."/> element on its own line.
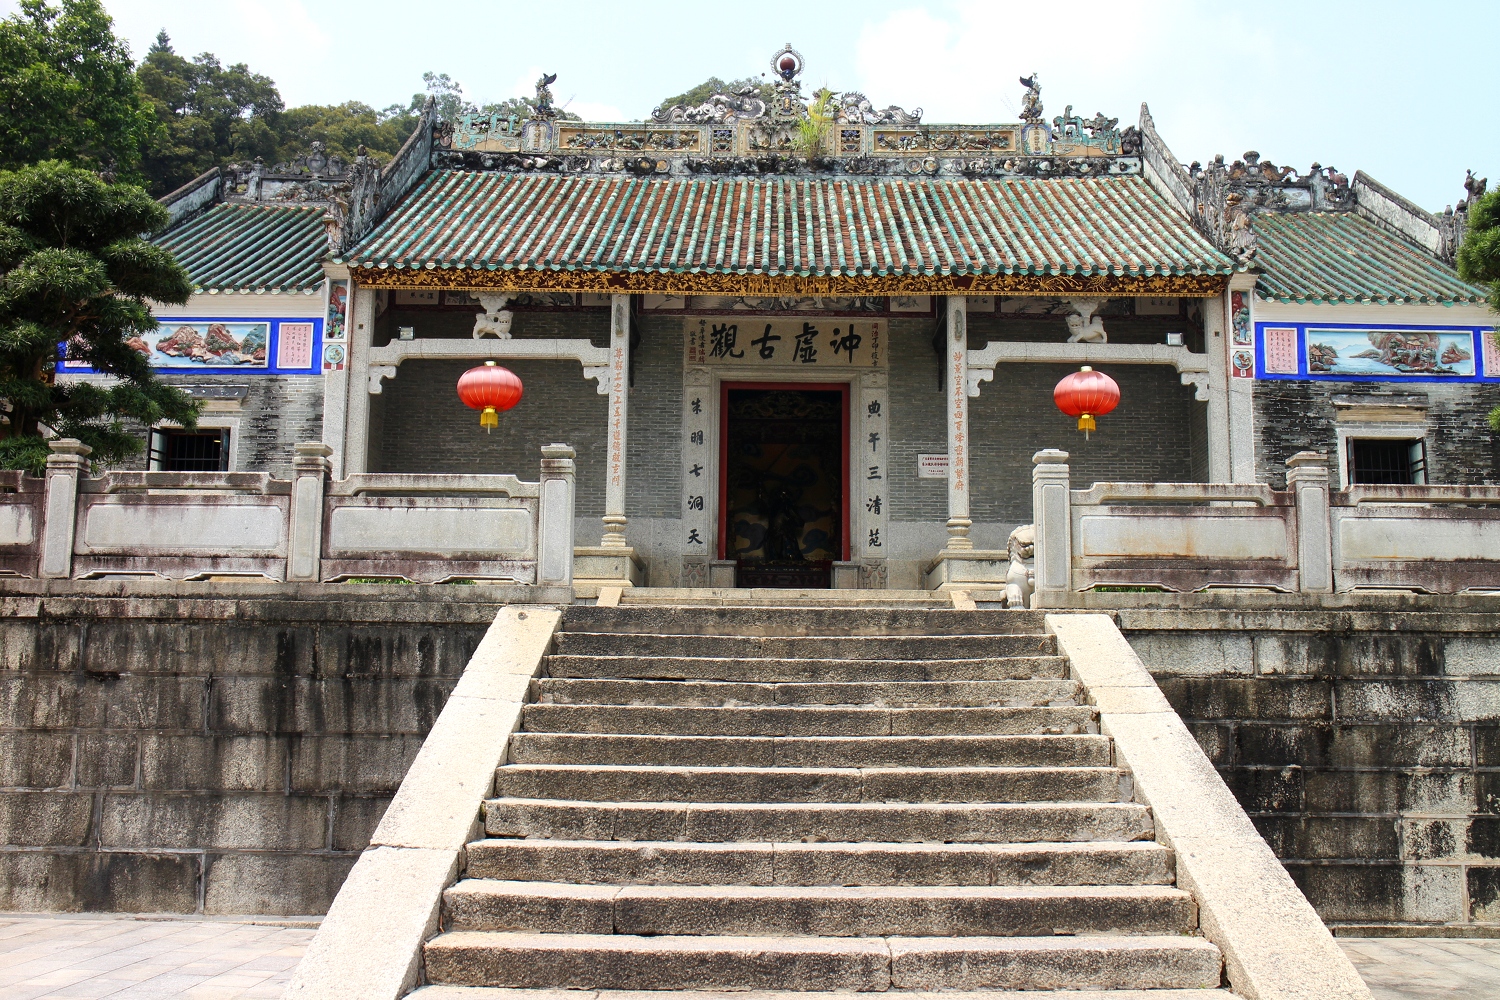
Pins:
<point x="954" y="694"/>
<point x="931" y="617"/>
<point x="829" y="911"/>
<point x="825" y="647"/>
<point x="773" y="670"/>
<point x="807" y="720"/>
<point x="1140" y="862"/>
<point x="622" y="961"/>
<point x="895" y="822"/>
<point x="632" y="783"/>
<point x="812" y="751"/>
<point x="504" y="993"/>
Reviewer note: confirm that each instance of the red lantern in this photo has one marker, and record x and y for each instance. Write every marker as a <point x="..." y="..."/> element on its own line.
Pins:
<point x="489" y="388"/>
<point x="1086" y="394"/>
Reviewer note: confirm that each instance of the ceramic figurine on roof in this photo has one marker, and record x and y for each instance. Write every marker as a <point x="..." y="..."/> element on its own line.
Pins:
<point x="788" y="105"/>
<point x="542" y="107"/>
<point x="854" y="108"/>
<point x="1031" y="101"/>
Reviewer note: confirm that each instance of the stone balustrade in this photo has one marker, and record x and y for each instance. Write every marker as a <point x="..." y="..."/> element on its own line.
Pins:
<point x="213" y="525"/>
<point x="1309" y="538"/>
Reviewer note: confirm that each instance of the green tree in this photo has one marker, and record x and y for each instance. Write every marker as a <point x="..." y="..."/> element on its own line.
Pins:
<point x="343" y="128"/>
<point x="1479" y="254"/>
<point x="452" y="102"/>
<point x="1479" y="258"/>
<point x="209" y="114"/>
<point x="713" y="85"/>
<point x="68" y="90"/>
<point x="75" y="270"/>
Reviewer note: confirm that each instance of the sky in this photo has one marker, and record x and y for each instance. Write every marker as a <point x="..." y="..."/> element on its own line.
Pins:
<point x="1405" y="91"/>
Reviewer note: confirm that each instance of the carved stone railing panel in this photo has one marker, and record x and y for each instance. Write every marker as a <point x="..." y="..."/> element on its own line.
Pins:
<point x="194" y="526"/>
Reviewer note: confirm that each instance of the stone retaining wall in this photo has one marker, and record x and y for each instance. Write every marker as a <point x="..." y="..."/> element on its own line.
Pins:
<point x="212" y="748"/>
<point x="1364" y="744"/>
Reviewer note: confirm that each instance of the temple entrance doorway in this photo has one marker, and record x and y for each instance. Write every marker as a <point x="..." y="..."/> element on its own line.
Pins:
<point x="784" y="487"/>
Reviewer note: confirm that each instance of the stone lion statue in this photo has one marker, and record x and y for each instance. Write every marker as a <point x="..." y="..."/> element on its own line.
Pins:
<point x="1020" y="578"/>
<point x="495" y="320"/>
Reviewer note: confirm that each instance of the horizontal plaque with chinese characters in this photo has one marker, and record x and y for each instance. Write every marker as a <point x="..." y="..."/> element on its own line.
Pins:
<point x="822" y="342"/>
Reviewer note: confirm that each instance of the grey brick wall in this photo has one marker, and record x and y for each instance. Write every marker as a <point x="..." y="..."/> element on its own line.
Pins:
<point x="419" y="425"/>
<point x="188" y="754"/>
<point x="1295" y="416"/>
<point x="1146" y="439"/>
<point x="278" y="411"/>
<point x="654" y="451"/>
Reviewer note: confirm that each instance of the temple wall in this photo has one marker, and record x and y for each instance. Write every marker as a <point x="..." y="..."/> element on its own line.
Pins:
<point x="1300" y="416"/>
<point x="1365" y="745"/>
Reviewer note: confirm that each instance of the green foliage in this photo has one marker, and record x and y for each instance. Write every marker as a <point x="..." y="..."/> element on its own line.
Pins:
<point x="68" y="90"/>
<point x="1479" y="254"/>
<point x="713" y="85"/>
<point x="812" y="129"/>
<point x="343" y="128"/>
<point x="74" y="270"/>
<point x="209" y="115"/>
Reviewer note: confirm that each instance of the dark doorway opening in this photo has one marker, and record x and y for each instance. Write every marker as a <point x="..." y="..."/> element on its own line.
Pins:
<point x="783" y="510"/>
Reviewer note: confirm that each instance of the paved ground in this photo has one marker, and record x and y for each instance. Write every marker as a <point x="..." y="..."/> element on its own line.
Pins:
<point x="124" y="958"/>
<point x="73" y="957"/>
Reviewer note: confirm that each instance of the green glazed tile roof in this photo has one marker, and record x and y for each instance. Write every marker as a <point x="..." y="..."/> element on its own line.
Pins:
<point x="790" y="226"/>
<point x="1342" y="257"/>
<point x="271" y="247"/>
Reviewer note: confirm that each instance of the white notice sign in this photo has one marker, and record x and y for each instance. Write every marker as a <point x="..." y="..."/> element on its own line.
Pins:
<point x="932" y="466"/>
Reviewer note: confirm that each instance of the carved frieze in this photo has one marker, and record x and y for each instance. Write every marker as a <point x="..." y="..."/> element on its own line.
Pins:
<point x="1091" y="286"/>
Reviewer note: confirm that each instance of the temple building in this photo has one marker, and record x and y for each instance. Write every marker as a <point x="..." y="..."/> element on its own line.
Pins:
<point x="813" y="343"/>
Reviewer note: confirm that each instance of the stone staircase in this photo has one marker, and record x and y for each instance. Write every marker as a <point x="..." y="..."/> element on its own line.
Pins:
<point x="814" y="799"/>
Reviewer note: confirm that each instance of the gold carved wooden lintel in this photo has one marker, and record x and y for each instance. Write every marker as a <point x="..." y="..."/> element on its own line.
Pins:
<point x="657" y="283"/>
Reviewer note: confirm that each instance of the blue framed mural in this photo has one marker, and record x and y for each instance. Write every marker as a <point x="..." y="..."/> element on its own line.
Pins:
<point x="1364" y="352"/>
<point x="220" y="346"/>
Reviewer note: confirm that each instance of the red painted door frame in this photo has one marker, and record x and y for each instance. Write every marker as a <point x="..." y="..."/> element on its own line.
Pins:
<point x="842" y="388"/>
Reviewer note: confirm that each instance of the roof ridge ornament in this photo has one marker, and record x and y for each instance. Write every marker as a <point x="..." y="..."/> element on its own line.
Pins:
<point x="542" y="107"/>
<point x="1031" y="101"/>
<point x="788" y="105"/>
<point x="1228" y="196"/>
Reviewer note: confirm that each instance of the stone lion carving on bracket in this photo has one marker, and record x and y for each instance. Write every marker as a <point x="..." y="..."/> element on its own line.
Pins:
<point x="495" y="320"/>
<point x="1020" y="577"/>
<point x="1083" y="325"/>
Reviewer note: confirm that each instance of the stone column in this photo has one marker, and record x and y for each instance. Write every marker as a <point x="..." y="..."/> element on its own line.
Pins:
<point x="1239" y="338"/>
<point x="956" y="381"/>
<point x="335" y="362"/>
<point x="1050" y="508"/>
<point x="68" y="463"/>
<point x="305" y="535"/>
<point x="554" y="535"/>
<point x="1307" y="479"/>
<point x="619" y="401"/>
<point x="354" y="456"/>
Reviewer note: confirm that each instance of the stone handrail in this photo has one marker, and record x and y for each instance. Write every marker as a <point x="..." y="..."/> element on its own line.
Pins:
<point x="1185" y="537"/>
<point x="252" y="483"/>
<point x="212" y="525"/>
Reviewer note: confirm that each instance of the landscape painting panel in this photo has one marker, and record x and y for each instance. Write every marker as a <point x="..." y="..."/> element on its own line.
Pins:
<point x="1390" y="353"/>
<point x="204" y="344"/>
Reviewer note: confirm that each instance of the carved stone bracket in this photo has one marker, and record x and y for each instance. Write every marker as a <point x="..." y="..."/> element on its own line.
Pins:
<point x="385" y="360"/>
<point x="1194" y="368"/>
<point x="378" y="374"/>
<point x="1201" y="383"/>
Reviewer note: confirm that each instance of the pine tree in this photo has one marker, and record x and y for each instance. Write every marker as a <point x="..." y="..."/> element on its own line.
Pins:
<point x="75" y="271"/>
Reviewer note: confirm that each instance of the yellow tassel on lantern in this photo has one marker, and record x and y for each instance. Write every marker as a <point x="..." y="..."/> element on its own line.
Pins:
<point x="489" y="419"/>
<point x="1086" y="423"/>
